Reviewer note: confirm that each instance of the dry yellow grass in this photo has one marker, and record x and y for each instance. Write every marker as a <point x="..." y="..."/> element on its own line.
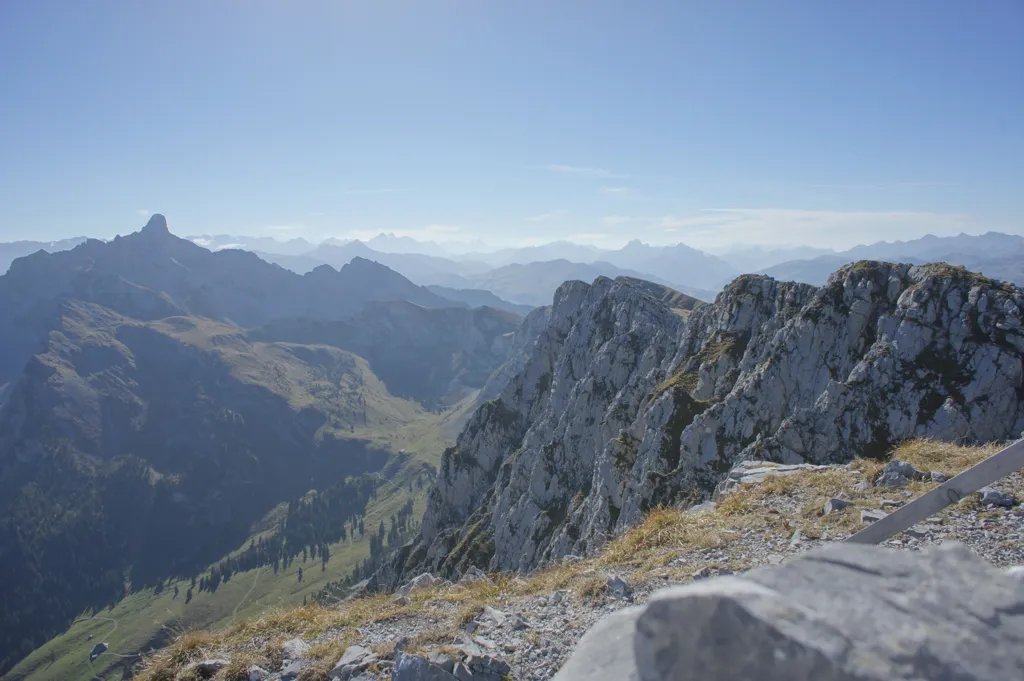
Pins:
<point x="665" y="534"/>
<point x="943" y="456"/>
<point x="188" y="647"/>
<point x="238" y="668"/>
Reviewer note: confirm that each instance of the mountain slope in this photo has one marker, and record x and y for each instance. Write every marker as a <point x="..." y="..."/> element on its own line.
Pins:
<point x="136" y="451"/>
<point x="624" y="405"/>
<point x="479" y="298"/>
<point x="433" y="356"/>
<point x="145" y="430"/>
<point x="232" y="286"/>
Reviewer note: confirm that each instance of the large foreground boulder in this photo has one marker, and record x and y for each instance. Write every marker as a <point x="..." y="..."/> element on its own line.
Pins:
<point x="846" y="612"/>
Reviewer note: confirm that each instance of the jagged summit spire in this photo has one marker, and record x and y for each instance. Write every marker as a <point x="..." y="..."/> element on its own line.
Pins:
<point x="157" y="225"/>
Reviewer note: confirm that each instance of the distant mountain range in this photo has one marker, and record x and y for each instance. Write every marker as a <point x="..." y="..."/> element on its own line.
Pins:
<point x="518" y="277"/>
<point x="11" y="251"/>
<point x="993" y="254"/>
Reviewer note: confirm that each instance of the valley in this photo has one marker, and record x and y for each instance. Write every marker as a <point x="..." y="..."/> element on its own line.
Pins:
<point x="150" y="441"/>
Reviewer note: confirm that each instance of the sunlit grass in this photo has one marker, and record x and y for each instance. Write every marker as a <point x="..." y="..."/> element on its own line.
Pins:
<point x="648" y="549"/>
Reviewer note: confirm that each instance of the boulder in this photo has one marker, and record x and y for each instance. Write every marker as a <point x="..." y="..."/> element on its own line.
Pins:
<point x="753" y="472"/>
<point x="443" y="661"/>
<point x="846" y="612"/>
<point x="257" y="673"/>
<point x="423" y="581"/>
<point x="207" y="669"/>
<point x="293" y="668"/>
<point x="355" y="661"/>
<point x="473" y="575"/>
<point x="606" y="651"/>
<point x="618" y="587"/>
<point x="897" y="474"/>
<point x="487" y="668"/>
<point x="834" y="505"/>
<point x="294" y="649"/>
<point x="871" y="515"/>
<point x="993" y="497"/>
<point x="416" y="668"/>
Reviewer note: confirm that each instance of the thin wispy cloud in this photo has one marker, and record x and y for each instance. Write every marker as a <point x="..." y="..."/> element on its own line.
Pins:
<point x="621" y="193"/>
<point x="583" y="171"/>
<point x="142" y="211"/>
<point x="714" y="227"/>
<point x="547" y="216"/>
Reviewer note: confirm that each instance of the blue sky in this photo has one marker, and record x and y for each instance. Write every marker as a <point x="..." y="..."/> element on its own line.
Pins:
<point x="716" y="122"/>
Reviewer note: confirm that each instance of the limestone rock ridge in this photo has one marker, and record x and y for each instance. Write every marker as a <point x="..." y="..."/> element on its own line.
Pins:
<point x="622" y="403"/>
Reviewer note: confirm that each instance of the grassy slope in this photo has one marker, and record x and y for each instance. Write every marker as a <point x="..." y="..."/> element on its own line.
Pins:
<point x="649" y="551"/>
<point x="394" y="425"/>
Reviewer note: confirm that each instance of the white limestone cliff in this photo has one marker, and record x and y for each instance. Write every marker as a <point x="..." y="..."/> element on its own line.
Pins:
<point x="624" y="404"/>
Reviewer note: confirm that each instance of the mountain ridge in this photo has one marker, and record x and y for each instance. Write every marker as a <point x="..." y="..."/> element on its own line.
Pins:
<point x="623" y="405"/>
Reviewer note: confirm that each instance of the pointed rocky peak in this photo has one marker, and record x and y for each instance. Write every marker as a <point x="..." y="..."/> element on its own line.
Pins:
<point x="157" y="225"/>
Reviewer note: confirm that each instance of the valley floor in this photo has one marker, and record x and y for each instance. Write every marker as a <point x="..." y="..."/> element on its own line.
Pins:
<point x="533" y="622"/>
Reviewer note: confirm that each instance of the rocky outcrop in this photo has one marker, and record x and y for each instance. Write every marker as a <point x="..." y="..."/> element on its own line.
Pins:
<point x="520" y="351"/>
<point x="625" y="404"/>
<point x="844" y="613"/>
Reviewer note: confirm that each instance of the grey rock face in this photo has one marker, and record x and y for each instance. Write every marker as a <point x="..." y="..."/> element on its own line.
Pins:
<point x="624" y="404"/>
<point x="844" y="613"/>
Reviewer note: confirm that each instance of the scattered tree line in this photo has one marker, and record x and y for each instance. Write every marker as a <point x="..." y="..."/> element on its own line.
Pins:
<point x="403" y="527"/>
<point x="332" y="515"/>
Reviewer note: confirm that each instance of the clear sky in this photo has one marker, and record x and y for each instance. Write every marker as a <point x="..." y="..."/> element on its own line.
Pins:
<point x="518" y="121"/>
